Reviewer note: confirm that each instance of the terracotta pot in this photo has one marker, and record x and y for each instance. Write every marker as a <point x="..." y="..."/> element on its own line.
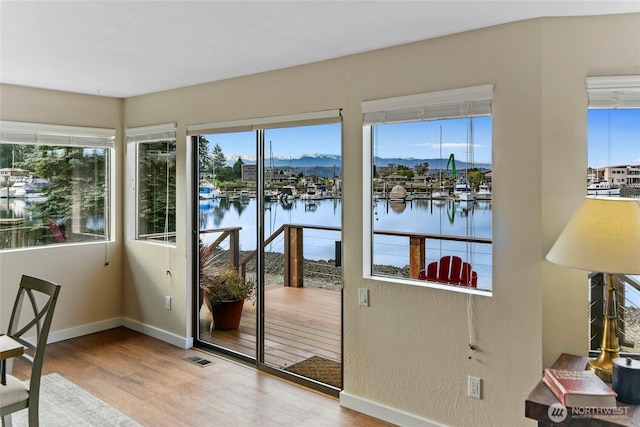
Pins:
<point x="226" y="315"/>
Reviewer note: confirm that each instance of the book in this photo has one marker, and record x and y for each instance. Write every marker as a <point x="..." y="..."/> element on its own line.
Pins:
<point x="579" y="388"/>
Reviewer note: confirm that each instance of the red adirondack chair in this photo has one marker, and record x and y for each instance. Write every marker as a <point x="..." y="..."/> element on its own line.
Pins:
<point x="55" y="230"/>
<point x="450" y="269"/>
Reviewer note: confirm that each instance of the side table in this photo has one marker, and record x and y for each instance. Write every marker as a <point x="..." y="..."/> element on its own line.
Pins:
<point x="540" y="399"/>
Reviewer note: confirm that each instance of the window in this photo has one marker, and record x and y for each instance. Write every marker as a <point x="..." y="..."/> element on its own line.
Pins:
<point x="613" y="136"/>
<point x="428" y="206"/>
<point x="155" y="157"/>
<point x="55" y="184"/>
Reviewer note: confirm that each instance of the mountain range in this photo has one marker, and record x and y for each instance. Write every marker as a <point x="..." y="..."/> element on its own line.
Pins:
<point x="330" y="160"/>
<point x="328" y="165"/>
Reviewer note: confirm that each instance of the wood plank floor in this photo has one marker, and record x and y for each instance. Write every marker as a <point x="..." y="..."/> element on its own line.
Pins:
<point x="299" y="323"/>
<point x="148" y="380"/>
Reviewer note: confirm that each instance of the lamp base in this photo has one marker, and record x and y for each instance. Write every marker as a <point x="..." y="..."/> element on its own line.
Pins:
<point x="603" y="365"/>
<point x="602" y="368"/>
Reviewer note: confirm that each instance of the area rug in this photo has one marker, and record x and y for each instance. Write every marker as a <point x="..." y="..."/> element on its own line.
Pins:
<point x="64" y="404"/>
<point x="320" y="369"/>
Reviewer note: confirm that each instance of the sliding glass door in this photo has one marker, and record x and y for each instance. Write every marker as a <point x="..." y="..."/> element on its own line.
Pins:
<point x="269" y="214"/>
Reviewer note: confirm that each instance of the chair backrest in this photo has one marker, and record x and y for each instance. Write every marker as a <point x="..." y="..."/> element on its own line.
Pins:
<point x="450" y="269"/>
<point x="34" y="289"/>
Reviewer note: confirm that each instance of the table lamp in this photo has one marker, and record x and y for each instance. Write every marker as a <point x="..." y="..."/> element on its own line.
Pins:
<point x="602" y="236"/>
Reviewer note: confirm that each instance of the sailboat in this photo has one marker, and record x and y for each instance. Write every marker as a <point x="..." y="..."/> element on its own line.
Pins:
<point x="270" y="194"/>
<point x="442" y="192"/>
<point x="462" y="188"/>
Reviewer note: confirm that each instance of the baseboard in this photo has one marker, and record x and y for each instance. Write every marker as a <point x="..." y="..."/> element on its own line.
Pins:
<point x="157" y="333"/>
<point x="383" y="412"/>
<point x="78" y="331"/>
<point x="168" y="337"/>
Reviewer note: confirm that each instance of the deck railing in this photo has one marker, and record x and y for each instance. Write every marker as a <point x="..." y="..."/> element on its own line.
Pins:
<point x="292" y="236"/>
<point x="627" y="291"/>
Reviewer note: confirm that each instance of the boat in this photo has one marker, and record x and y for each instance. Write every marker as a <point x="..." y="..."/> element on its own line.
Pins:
<point x="462" y="190"/>
<point x="288" y="192"/>
<point x="466" y="197"/>
<point x="462" y="187"/>
<point x="602" y="188"/>
<point x="26" y="190"/>
<point x="398" y="194"/>
<point x="311" y="192"/>
<point x="441" y="193"/>
<point x="483" y="193"/>
<point x="270" y="195"/>
<point x="208" y="191"/>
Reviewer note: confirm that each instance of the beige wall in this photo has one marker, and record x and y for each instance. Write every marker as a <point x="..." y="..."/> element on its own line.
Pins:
<point x="91" y="296"/>
<point x="406" y="354"/>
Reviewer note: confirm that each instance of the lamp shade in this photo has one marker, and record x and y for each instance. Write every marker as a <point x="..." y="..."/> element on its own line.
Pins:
<point x="603" y="235"/>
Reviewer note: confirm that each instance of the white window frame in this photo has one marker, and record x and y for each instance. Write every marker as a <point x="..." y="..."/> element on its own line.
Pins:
<point x="27" y="133"/>
<point x="455" y="103"/>
<point x="612" y="93"/>
<point x="135" y="137"/>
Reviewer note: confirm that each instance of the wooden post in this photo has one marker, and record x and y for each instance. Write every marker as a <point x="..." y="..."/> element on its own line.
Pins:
<point x="293" y="257"/>
<point x="417" y="253"/>
<point x="234" y="247"/>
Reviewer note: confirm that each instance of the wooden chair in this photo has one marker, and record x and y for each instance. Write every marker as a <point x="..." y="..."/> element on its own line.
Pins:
<point x="450" y="269"/>
<point x="15" y="395"/>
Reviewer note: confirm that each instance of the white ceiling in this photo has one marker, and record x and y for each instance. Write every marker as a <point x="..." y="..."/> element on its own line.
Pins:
<point x="128" y="48"/>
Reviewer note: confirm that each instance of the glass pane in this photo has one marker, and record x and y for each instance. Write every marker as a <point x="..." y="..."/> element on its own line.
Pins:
<point x="303" y="295"/>
<point x="614" y="170"/>
<point x="227" y="240"/>
<point x="52" y="195"/>
<point x="157" y="191"/>
<point x="432" y="199"/>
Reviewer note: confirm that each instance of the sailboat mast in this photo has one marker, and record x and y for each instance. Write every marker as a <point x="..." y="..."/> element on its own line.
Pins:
<point x="440" y="161"/>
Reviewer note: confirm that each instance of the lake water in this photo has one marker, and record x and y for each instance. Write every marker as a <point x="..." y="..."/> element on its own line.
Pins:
<point x="418" y="215"/>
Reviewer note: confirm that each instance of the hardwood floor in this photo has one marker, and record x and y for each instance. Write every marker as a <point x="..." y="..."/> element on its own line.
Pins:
<point x="148" y="380"/>
<point x="299" y="323"/>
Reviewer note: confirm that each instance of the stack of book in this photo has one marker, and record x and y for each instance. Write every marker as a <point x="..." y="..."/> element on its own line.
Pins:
<point x="579" y="388"/>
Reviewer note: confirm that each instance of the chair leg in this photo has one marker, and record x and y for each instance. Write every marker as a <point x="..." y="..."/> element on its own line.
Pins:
<point x="33" y="416"/>
<point x="6" y="421"/>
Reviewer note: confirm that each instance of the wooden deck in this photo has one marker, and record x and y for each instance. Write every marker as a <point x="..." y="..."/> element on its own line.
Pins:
<point x="299" y="323"/>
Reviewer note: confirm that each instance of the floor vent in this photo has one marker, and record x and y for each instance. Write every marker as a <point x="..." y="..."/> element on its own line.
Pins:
<point x="199" y="361"/>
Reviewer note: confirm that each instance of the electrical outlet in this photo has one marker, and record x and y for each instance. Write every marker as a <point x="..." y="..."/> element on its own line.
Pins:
<point x="475" y="386"/>
<point x="167" y="302"/>
<point x="363" y="297"/>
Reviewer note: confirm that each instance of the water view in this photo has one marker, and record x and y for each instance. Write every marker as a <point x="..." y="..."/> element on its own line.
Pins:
<point x="427" y="216"/>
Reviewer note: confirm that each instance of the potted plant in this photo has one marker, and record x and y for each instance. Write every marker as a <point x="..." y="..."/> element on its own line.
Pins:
<point x="224" y="290"/>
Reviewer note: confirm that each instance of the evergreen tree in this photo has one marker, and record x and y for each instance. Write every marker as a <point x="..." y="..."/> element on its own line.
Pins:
<point x="237" y="169"/>
<point x="77" y="178"/>
<point x="205" y="159"/>
<point x="219" y="159"/>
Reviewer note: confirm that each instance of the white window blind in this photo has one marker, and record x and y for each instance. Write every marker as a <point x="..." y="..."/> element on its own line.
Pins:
<point x="55" y="135"/>
<point x="271" y="122"/>
<point x="614" y="92"/>
<point x="152" y="133"/>
<point x="463" y="102"/>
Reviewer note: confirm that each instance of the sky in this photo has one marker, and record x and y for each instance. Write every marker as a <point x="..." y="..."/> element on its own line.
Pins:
<point x="613" y="137"/>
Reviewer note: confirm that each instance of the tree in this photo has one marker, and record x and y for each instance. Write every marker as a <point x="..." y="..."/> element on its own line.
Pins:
<point x="237" y="169"/>
<point x="157" y="188"/>
<point x="13" y="154"/>
<point x="77" y="176"/>
<point x="205" y="159"/>
<point x="219" y="159"/>
<point x="405" y="171"/>
<point x="476" y="177"/>
<point x="421" y="168"/>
